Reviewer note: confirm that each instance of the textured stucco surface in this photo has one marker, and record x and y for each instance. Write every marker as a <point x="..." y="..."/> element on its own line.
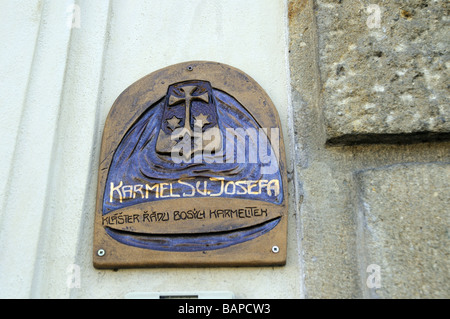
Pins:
<point x="58" y="84"/>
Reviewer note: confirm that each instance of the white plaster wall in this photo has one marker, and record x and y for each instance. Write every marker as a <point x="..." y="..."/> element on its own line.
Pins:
<point x="57" y="85"/>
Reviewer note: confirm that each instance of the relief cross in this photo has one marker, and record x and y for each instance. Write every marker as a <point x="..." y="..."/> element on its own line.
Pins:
<point x="188" y="98"/>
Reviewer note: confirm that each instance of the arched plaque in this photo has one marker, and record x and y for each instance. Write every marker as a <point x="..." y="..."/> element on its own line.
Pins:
<point x="192" y="173"/>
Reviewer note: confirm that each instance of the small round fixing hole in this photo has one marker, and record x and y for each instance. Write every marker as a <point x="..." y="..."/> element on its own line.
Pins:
<point x="101" y="252"/>
<point x="275" y="249"/>
<point x="190" y="68"/>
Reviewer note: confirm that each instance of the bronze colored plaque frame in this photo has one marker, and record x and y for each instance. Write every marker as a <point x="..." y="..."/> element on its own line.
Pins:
<point x="196" y="224"/>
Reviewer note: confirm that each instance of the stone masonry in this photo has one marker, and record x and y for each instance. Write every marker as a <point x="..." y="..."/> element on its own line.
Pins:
<point x="371" y="115"/>
<point x="384" y="68"/>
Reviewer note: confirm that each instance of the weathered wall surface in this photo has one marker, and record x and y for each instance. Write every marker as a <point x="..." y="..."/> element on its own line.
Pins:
<point x="61" y="73"/>
<point x="384" y="67"/>
<point x="373" y="218"/>
<point x="403" y="224"/>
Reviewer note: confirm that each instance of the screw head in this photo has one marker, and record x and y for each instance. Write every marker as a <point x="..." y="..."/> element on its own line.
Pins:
<point x="275" y="249"/>
<point x="101" y="252"/>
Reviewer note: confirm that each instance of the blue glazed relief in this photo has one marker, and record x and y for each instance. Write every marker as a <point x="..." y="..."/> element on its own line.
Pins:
<point x="195" y="142"/>
<point x="189" y="242"/>
<point x="144" y="167"/>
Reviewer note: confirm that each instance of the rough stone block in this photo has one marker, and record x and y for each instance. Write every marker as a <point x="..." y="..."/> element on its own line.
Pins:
<point x="384" y="70"/>
<point x="404" y="226"/>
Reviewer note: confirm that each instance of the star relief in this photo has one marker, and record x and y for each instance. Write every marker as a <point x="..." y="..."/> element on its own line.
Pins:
<point x="174" y="122"/>
<point x="201" y="120"/>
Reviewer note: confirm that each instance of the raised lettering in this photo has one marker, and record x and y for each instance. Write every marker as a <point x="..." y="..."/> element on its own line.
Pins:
<point x="115" y="189"/>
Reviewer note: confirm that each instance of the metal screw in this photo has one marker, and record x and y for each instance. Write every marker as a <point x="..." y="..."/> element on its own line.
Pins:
<point x="275" y="249"/>
<point x="101" y="252"/>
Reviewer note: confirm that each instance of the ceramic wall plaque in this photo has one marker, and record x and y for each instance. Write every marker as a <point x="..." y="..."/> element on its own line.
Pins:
<point x="192" y="173"/>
